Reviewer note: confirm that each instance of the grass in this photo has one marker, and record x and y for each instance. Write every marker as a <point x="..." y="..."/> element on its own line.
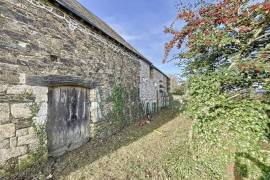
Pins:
<point x="160" y="150"/>
<point x="134" y="153"/>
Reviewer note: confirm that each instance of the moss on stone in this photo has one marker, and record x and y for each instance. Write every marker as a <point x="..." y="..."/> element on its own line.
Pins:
<point x="24" y="96"/>
<point x="3" y="173"/>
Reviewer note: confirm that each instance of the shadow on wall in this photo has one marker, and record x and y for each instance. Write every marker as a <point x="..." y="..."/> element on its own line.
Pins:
<point x="94" y="150"/>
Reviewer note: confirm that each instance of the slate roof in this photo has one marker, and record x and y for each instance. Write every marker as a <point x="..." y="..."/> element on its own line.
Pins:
<point x="75" y="8"/>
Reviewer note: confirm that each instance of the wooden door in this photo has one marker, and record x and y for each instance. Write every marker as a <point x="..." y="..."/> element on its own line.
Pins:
<point x="68" y="119"/>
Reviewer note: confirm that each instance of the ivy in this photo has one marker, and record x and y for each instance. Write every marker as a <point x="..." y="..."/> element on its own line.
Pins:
<point x="225" y="119"/>
<point x="226" y="45"/>
<point x="39" y="155"/>
<point x="118" y="100"/>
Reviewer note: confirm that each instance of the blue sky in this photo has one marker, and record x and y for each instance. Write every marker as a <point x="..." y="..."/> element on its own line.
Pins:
<point x="141" y="23"/>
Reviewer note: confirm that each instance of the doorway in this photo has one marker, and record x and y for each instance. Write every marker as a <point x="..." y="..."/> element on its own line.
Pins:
<point x="68" y="119"/>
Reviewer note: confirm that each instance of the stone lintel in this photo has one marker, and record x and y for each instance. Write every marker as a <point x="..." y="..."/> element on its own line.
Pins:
<point x="60" y="80"/>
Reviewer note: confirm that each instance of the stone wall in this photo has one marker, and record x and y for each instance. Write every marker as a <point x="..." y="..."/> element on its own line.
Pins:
<point x="40" y="39"/>
<point x="153" y="88"/>
<point x="147" y="85"/>
<point x="37" y="38"/>
<point x="161" y="82"/>
<point x="23" y="109"/>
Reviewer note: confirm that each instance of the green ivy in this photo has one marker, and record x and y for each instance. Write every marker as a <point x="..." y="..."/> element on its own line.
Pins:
<point x="227" y="120"/>
<point x="40" y="154"/>
<point x="118" y="100"/>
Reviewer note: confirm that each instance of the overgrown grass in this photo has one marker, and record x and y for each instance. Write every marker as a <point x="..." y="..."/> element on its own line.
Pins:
<point x="196" y="160"/>
<point x="135" y="152"/>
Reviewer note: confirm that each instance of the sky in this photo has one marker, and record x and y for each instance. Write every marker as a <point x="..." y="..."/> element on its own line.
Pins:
<point x="141" y="23"/>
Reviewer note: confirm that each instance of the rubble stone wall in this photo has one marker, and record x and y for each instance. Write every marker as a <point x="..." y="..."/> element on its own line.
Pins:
<point x="38" y="38"/>
<point x="153" y="89"/>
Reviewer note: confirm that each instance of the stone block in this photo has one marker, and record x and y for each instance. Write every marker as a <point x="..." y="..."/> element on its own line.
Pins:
<point x="28" y="139"/>
<point x="21" y="110"/>
<point x="7" y="131"/>
<point x="4" y="113"/>
<point x="3" y="88"/>
<point x="22" y="132"/>
<point x="41" y="93"/>
<point x="94" y="117"/>
<point x="9" y="78"/>
<point x="23" y="158"/>
<point x="19" y="89"/>
<point x="31" y="131"/>
<point x="93" y="95"/>
<point x="13" y="142"/>
<point x="33" y="147"/>
<point x="4" y="144"/>
<point x="41" y="116"/>
<point x="57" y="12"/>
<point x="94" y="105"/>
<point x="6" y="154"/>
<point x="22" y="78"/>
<point x="23" y="124"/>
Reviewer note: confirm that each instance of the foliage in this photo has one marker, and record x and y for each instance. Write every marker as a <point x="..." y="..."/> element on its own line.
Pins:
<point x="177" y="86"/>
<point x="216" y="109"/>
<point x="232" y="124"/>
<point x="225" y="127"/>
<point x="118" y="100"/>
<point x="38" y="156"/>
<point x="222" y="33"/>
<point x="180" y="90"/>
<point x="227" y="47"/>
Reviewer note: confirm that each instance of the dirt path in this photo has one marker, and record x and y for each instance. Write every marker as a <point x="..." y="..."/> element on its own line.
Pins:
<point x="135" y="153"/>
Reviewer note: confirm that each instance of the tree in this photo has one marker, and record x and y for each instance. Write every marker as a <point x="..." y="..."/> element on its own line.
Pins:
<point x="177" y="86"/>
<point x="223" y="34"/>
<point x="227" y="48"/>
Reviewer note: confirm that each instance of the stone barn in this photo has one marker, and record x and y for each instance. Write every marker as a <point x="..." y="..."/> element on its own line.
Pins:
<point x="66" y="77"/>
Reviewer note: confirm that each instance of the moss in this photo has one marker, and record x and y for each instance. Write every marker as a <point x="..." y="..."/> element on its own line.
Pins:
<point x="34" y="159"/>
<point x="25" y="96"/>
<point x="34" y="108"/>
<point x="26" y="163"/>
<point x="3" y="173"/>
